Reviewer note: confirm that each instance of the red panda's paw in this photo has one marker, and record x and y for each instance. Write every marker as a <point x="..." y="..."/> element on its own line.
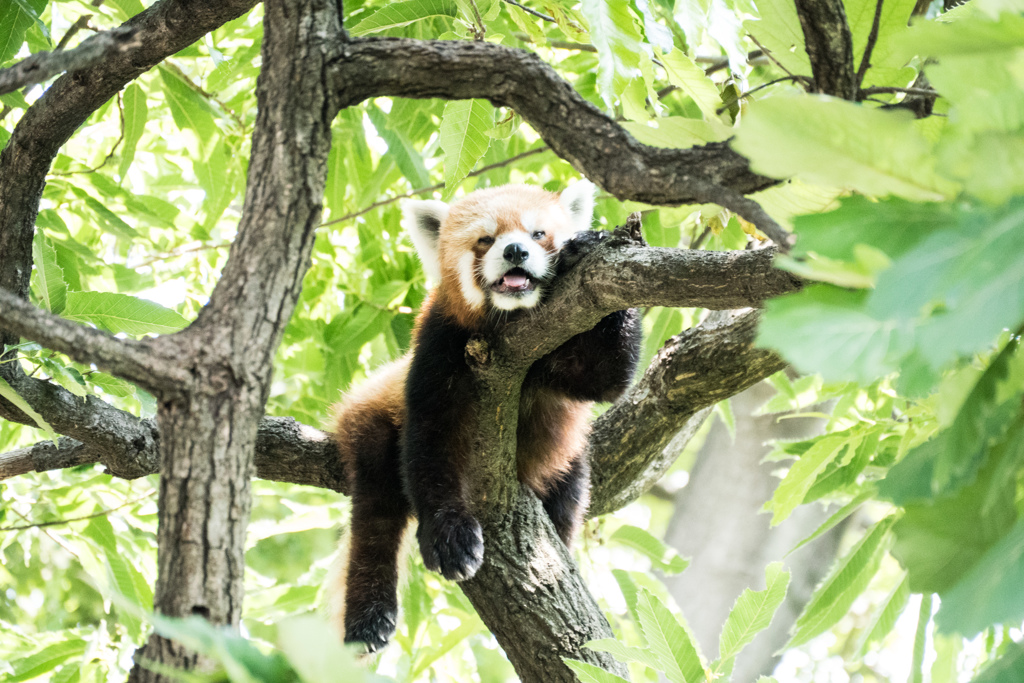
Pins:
<point x="373" y="628"/>
<point x="452" y="543"/>
<point x="578" y="246"/>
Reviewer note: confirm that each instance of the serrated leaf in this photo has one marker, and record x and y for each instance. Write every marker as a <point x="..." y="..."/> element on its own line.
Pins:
<point x="64" y="377"/>
<point x="14" y="21"/>
<point x="588" y="673"/>
<point x="398" y="14"/>
<point x="827" y="141"/>
<point x="803" y="473"/>
<point x="8" y="392"/>
<point x="48" y="276"/>
<point x="752" y="614"/>
<point x="626" y="653"/>
<point x="189" y="110"/>
<point x="668" y="641"/>
<point x="118" y="313"/>
<point x="849" y="577"/>
<point x="684" y="73"/>
<point x="661" y="555"/>
<point x="45" y="660"/>
<point x="622" y="54"/>
<point x="838" y="516"/>
<point x="404" y="154"/>
<point x="677" y="132"/>
<point x="886" y="615"/>
<point x="464" y="139"/>
<point x="135" y="114"/>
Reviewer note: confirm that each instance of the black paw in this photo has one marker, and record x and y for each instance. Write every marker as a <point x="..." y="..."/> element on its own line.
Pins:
<point x="452" y="543"/>
<point x="578" y="246"/>
<point x="373" y="626"/>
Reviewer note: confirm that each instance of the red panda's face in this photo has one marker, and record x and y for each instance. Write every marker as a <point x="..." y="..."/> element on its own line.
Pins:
<point x="495" y="248"/>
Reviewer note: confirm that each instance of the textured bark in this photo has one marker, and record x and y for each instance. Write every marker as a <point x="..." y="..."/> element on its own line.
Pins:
<point x="730" y="548"/>
<point x="208" y="430"/>
<point x="829" y="46"/>
<point x="530" y="594"/>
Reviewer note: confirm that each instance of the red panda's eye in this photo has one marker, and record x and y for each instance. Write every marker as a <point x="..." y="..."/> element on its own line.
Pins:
<point x="539" y="235"/>
<point x="485" y="241"/>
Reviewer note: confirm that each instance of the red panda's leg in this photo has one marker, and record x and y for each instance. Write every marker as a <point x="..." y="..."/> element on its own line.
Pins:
<point x="567" y="497"/>
<point x="436" y="443"/>
<point x="371" y="596"/>
<point x="597" y="365"/>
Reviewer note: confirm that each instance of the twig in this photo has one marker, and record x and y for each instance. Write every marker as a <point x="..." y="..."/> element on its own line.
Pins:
<point x="101" y="513"/>
<point x="700" y="239"/>
<point x="534" y="12"/>
<point x="79" y="24"/>
<point x="768" y="53"/>
<point x="180" y="252"/>
<point x="110" y="155"/>
<point x="432" y="188"/>
<point x="42" y="65"/>
<point x="558" y="44"/>
<point x="761" y="87"/>
<point x="865" y="61"/>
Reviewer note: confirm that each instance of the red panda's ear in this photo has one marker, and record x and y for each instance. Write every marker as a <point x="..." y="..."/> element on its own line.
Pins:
<point x="422" y="219"/>
<point x="578" y="202"/>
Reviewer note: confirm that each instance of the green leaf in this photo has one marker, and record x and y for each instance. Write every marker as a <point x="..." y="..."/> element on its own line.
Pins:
<point x="677" y="132"/>
<point x="405" y="156"/>
<point x="15" y="19"/>
<point x="684" y="73"/>
<point x="625" y="653"/>
<point x="312" y="649"/>
<point x="48" y="276"/>
<point x="8" y="392"/>
<point x="45" y="660"/>
<point x="827" y="141"/>
<point x="837" y="517"/>
<point x="668" y="641"/>
<point x="803" y="473"/>
<point x="117" y="313"/>
<point x="135" y="114"/>
<point x="662" y="556"/>
<point x="188" y="108"/>
<point x="924" y="619"/>
<point x="752" y="614"/>
<point x="886" y="615"/>
<point x="1007" y="669"/>
<point x="622" y="53"/>
<point x="398" y="14"/>
<point x="588" y="673"/>
<point x="778" y="29"/>
<point x="990" y="592"/>
<point x="464" y="139"/>
<point x="846" y="581"/>
<point x="69" y="378"/>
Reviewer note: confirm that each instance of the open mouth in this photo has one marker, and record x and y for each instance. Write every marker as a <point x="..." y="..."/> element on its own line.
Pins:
<point x="515" y="281"/>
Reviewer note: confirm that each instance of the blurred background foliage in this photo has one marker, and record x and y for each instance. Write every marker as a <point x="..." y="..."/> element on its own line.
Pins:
<point x="911" y="227"/>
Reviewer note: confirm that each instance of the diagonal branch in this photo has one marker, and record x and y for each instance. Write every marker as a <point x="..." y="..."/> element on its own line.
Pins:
<point x="93" y="50"/>
<point x="143" y="362"/>
<point x="575" y="129"/>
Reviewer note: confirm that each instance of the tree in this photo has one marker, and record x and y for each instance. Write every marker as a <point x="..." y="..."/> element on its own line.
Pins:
<point x="208" y="385"/>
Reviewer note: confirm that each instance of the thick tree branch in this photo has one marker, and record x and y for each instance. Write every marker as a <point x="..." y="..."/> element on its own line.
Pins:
<point x="161" y="30"/>
<point x="91" y="51"/>
<point x="635" y="442"/>
<point x="575" y="129"/>
<point x="829" y="46"/>
<point x="150" y="363"/>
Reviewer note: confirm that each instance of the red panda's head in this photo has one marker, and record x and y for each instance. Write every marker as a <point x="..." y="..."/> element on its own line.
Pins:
<point x="494" y="249"/>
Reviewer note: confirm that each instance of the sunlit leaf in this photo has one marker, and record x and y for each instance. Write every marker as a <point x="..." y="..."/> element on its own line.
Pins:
<point x="122" y="313"/>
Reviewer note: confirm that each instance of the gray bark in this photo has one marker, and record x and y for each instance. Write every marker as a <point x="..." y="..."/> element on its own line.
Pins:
<point x="718" y="523"/>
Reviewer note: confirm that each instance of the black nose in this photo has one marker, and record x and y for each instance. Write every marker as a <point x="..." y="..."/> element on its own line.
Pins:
<point x="515" y="254"/>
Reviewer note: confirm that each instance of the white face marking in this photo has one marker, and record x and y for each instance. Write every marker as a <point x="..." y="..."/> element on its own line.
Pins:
<point x="536" y="264"/>
<point x="504" y="302"/>
<point x="471" y="291"/>
<point x="488" y="225"/>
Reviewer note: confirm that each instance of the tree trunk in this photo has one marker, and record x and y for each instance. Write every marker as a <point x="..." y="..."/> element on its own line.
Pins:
<point x="719" y="524"/>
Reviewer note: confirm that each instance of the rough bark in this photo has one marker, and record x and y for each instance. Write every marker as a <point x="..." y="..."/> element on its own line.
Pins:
<point x="718" y="524"/>
<point x="829" y="46"/>
<point x="208" y="430"/>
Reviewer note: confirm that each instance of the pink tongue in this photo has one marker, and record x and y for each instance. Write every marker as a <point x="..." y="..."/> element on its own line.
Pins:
<point x="515" y="281"/>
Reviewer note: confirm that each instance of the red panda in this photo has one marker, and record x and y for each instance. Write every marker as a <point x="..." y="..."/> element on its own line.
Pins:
<point x="406" y="435"/>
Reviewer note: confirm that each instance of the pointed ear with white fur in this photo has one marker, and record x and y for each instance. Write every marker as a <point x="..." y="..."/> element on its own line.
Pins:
<point x="422" y="219"/>
<point x="578" y="202"/>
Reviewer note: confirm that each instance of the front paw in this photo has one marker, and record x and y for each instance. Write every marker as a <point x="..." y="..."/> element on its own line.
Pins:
<point x="452" y="543"/>
<point x="578" y="246"/>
